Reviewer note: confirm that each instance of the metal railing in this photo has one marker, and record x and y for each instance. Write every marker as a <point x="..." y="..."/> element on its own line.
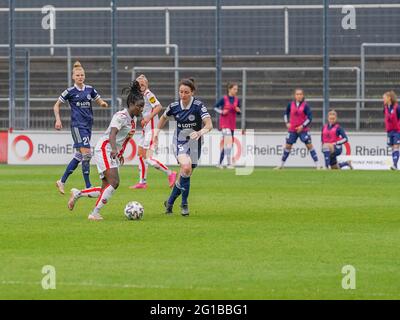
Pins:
<point x="362" y="57"/>
<point x="168" y="9"/>
<point x="244" y="72"/>
<point x="68" y="47"/>
<point x="95" y="46"/>
<point x="28" y="120"/>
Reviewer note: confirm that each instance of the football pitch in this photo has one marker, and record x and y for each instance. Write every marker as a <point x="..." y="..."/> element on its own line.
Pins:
<point x="271" y="235"/>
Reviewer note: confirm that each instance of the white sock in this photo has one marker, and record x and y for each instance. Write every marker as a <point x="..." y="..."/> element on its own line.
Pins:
<point x="104" y="197"/>
<point x="90" y="193"/>
<point x="143" y="170"/>
<point x="228" y="154"/>
<point x="158" y="165"/>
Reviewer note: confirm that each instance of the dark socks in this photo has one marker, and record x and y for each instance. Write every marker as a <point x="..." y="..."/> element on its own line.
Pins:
<point x="70" y="168"/>
<point x="86" y="172"/>
<point x="185" y="184"/>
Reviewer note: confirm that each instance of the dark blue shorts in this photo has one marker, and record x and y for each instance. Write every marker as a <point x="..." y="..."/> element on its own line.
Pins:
<point x="393" y="138"/>
<point x="81" y="137"/>
<point x="337" y="152"/>
<point x="191" y="147"/>
<point x="293" y="136"/>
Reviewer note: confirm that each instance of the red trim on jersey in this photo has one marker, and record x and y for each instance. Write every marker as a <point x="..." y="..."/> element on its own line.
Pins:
<point x="104" y="152"/>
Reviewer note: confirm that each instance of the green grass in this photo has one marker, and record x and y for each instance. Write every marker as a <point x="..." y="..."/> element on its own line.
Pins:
<point x="271" y="235"/>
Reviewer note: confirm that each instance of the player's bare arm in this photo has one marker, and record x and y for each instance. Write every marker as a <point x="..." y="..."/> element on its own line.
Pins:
<point x="207" y="128"/>
<point x="161" y="124"/>
<point x="56" y="108"/>
<point x="100" y="102"/>
<point x="113" y="142"/>
<point x="156" y="110"/>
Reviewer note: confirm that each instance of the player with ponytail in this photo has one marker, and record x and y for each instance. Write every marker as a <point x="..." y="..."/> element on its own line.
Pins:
<point x="193" y="121"/>
<point x="109" y="151"/>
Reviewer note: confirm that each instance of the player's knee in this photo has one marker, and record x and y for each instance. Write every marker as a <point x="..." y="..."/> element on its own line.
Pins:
<point x="186" y="170"/>
<point x="325" y="148"/>
<point x="288" y="147"/>
<point x="186" y="174"/>
<point x="228" y="144"/>
<point x="115" y="183"/>
<point x="87" y="156"/>
<point x="142" y="153"/>
<point x="78" y="156"/>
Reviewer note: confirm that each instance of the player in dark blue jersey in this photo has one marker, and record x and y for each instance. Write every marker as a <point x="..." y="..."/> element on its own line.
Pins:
<point x="80" y="98"/>
<point x="193" y="121"/>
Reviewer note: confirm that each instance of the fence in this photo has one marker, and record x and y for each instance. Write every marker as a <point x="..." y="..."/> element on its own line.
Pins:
<point x="244" y="73"/>
<point x="247" y="29"/>
<point x="380" y="46"/>
<point x="68" y="47"/>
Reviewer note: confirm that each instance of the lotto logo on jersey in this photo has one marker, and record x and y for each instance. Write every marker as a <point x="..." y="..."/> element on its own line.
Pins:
<point x="186" y="125"/>
<point x="83" y="104"/>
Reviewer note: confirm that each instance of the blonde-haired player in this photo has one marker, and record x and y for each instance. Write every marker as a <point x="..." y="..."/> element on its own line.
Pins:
<point x="146" y="143"/>
<point x="391" y="112"/>
<point x="80" y="98"/>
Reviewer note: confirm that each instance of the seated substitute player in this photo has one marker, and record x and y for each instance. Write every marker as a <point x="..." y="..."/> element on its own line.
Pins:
<point x="80" y="98"/>
<point x="228" y="107"/>
<point x="109" y="150"/>
<point x="333" y="137"/>
<point x="190" y="114"/>
<point x="392" y="124"/>
<point x="298" y="118"/>
<point x="146" y="144"/>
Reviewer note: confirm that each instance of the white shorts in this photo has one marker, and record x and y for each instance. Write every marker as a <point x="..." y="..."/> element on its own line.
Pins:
<point x="226" y="132"/>
<point x="103" y="159"/>
<point x="146" y="139"/>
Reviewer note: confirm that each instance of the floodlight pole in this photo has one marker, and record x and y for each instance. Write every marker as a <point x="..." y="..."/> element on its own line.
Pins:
<point x="326" y="60"/>
<point x="218" y="52"/>
<point x="11" y="103"/>
<point x="114" y="62"/>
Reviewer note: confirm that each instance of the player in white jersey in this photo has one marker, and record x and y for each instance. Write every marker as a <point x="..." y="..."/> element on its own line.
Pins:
<point x="146" y="144"/>
<point x="109" y="151"/>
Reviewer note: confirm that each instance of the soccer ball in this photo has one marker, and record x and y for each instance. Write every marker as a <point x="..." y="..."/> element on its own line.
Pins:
<point x="134" y="211"/>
